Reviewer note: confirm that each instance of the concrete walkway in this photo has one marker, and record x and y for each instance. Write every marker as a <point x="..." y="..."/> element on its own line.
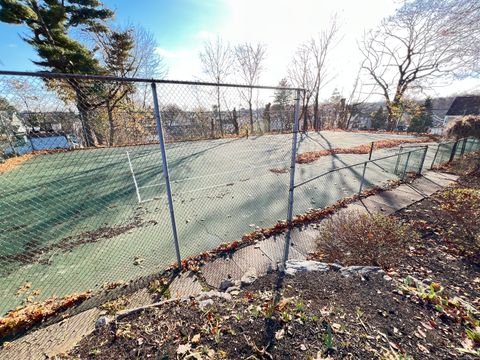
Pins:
<point x="263" y="256"/>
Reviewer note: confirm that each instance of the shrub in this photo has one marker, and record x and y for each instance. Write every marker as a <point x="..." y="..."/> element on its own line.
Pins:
<point x="352" y="238"/>
<point x="467" y="126"/>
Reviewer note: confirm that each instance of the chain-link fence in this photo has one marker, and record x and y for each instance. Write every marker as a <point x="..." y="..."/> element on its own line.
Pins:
<point x="89" y="195"/>
<point x="106" y="180"/>
<point x="448" y="151"/>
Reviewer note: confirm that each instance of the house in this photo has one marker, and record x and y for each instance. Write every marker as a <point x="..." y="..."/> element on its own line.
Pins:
<point x="462" y="106"/>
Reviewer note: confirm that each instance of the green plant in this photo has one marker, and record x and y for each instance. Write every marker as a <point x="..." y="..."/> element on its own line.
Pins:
<point x="474" y="335"/>
<point x="328" y="338"/>
<point x="353" y="238"/>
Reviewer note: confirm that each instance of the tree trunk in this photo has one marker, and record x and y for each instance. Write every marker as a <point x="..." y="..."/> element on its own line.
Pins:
<point x="235" y="122"/>
<point x="316" y="119"/>
<point x="212" y="127"/>
<point x="305" y="117"/>
<point x="250" y="112"/>
<point x="220" y="121"/>
<point x="111" y="136"/>
<point x="391" y="116"/>
<point x="90" y="139"/>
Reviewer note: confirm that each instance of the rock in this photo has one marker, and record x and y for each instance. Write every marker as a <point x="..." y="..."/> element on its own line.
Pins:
<point x="103" y="321"/>
<point x="225" y="284"/>
<point x="361" y="270"/>
<point x="294" y="266"/>
<point x="214" y="294"/>
<point x="204" y="303"/>
<point x="336" y="267"/>
<point x="249" y="277"/>
<point x="232" y="289"/>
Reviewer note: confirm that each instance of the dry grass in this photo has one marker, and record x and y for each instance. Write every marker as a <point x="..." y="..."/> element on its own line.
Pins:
<point x="352" y="238"/>
<point x="310" y="156"/>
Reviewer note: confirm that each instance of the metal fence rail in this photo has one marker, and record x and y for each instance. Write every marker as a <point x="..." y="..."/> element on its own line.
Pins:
<point x="107" y="179"/>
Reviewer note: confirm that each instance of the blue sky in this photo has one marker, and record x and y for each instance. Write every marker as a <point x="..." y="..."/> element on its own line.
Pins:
<point x="174" y="23"/>
<point x="181" y="27"/>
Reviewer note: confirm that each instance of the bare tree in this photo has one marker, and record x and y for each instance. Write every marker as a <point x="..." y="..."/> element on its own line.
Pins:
<point x="423" y="40"/>
<point x="150" y="64"/>
<point x="302" y="74"/>
<point x="356" y="98"/>
<point x="217" y="60"/>
<point x="127" y="53"/>
<point x="320" y="48"/>
<point x="249" y="59"/>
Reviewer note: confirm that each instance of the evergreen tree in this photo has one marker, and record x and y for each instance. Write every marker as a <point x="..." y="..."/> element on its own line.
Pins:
<point x="50" y="23"/>
<point x="423" y="119"/>
<point x="281" y="103"/>
<point x="379" y="119"/>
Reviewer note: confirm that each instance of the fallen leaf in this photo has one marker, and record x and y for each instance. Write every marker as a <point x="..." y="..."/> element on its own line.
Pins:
<point x="195" y="339"/>
<point x="183" y="349"/>
<point x="280" y="334"/>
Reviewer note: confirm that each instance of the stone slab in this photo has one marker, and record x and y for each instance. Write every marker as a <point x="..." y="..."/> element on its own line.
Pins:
<point x="425" y="186"/>
<point x="303" y="240"/>
<point x="54" y="339"/>
<point x="274" y="248"/>
<point x="440" y="179"/>
<point x="373" y="206"/>
<point x="252" y="257"/>
<point x="185" y="284"/>
<point x="219" y="270"/>
<point x="394" y="199"/>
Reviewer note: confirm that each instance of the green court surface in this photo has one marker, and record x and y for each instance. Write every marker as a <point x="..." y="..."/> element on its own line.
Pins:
<point x="73" y="221"/>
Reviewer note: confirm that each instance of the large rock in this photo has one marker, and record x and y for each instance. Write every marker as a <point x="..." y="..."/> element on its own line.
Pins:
<point x="294" y="266"/>
<point x="214" y="294"/>
<point x="361" y="270"/>
<point x="225" y="284"/>
<point x="103" y="321"/>
<point x="249" y="277"/>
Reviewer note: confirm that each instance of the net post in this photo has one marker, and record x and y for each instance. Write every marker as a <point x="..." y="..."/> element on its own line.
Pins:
<point x="165" y="172"/>
<point x="291" y="189"/>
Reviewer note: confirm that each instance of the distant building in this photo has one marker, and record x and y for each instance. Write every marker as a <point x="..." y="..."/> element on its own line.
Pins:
<point x="463" y="106"/>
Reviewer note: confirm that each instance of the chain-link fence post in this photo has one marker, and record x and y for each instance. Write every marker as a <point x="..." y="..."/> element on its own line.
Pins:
<point x="165" y="172"/>
<point x="435" y="157"/>
<point x="420" y="168"/>
<point x="454" y="150"/>
<point x="406" y="166"/>
<point x="462" y="152"/>
<point x="398" y="159"/>
<point x="365" y="168"/>
<point x="292" y="178"/>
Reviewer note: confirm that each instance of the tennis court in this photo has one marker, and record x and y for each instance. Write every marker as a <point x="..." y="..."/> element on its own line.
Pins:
<point x="72" y="221"/>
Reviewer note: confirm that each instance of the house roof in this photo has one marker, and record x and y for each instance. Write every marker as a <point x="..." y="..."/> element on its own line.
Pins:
<point x="465" y="105"/>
